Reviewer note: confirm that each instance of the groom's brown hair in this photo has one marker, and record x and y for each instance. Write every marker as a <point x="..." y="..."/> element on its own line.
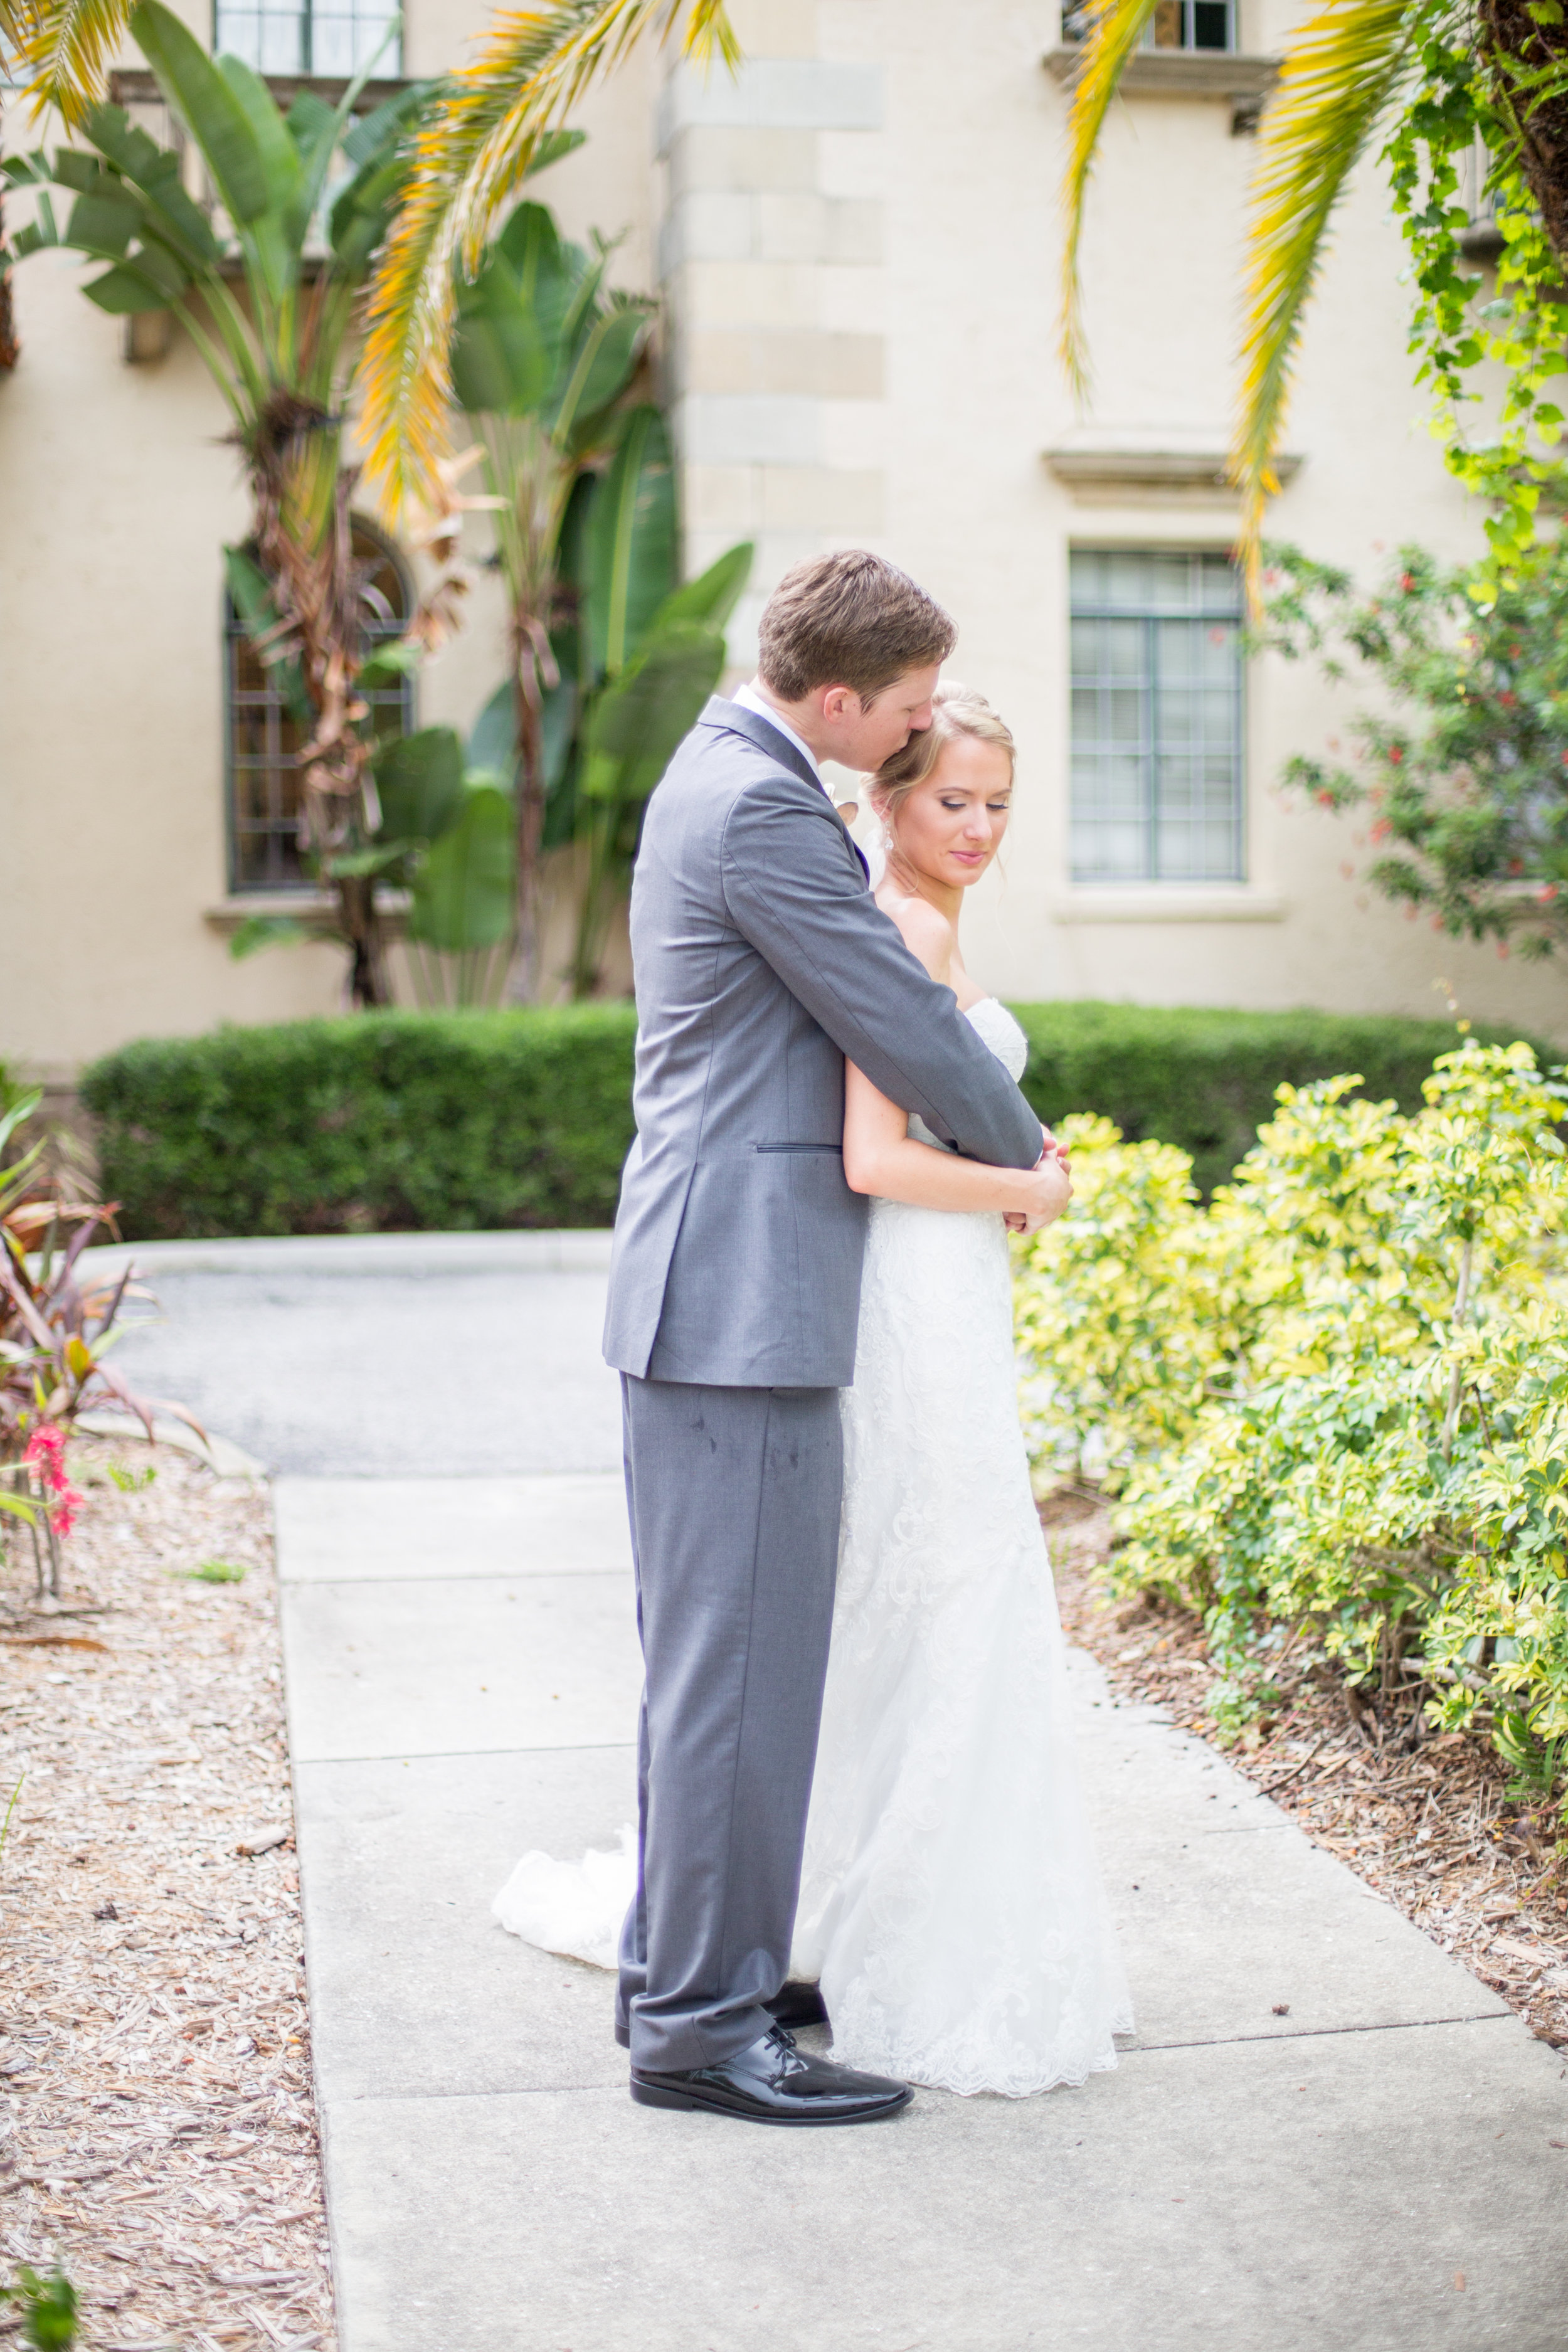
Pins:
<point x="848" y="619"/>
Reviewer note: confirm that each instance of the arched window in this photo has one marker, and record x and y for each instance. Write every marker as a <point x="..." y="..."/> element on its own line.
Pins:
<point x="264" y="737"/>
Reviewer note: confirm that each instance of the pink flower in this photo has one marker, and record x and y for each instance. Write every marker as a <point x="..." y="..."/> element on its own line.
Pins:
<point x="63" y="1510"/>
<point x="45" y="1453"/>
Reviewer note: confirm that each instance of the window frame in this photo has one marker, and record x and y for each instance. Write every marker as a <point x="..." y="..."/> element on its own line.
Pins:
<point x="388" y="67"/>
<point x="233" y="638"/>
<point x="1150" y="878"/>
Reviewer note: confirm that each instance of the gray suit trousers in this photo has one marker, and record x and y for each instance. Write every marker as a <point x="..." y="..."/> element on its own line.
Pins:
<point x="733" y="1494"/>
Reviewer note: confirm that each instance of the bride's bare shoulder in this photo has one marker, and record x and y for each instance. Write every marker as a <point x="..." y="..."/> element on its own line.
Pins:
<point x="927" y="932"/>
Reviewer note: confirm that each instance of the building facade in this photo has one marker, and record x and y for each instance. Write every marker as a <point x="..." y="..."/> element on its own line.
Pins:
<point x="855" y="244"/>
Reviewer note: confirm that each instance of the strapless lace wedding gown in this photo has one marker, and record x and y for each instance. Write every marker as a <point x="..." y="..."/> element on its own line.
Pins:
<point x="950" y="1903"/>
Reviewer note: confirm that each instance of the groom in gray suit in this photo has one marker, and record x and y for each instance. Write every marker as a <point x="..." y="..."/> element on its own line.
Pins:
<point x="761" y="961"/>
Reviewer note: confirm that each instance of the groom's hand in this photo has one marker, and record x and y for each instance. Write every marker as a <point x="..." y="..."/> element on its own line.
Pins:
<point x="1045" y="1189"/>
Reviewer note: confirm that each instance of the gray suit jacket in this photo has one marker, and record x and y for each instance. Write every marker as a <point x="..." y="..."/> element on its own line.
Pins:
<point x="760" y="961"/>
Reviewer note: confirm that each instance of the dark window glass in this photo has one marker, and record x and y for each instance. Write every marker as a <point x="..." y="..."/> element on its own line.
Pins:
<point x="1156" y="717"/>
<point x="1175" y="24"/>
<point x="264" y="739"/>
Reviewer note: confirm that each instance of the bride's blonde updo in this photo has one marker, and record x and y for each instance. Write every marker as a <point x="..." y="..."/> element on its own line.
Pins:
<point x="954" y="711"/>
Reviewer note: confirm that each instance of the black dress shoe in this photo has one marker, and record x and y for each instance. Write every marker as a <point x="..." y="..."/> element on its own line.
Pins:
<point x="794" y="2005"/>
<point x="772" y="2083"/>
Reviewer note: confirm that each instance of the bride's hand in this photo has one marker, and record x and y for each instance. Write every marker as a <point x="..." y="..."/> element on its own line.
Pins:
<point x="1049" y="1188"/>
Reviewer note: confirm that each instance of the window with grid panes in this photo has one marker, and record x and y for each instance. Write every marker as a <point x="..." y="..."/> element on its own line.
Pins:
<point x="333" y="39"/>
<point x="1175" y="24"/>
<point x="265" y="739"/>
<point x="1156" y="717"/>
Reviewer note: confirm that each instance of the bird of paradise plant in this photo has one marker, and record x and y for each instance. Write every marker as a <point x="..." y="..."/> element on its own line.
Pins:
<point x="1438" y="81"/>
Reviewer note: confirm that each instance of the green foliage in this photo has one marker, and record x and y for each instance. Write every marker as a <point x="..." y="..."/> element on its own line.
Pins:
<point x="1205" y="1080"/>
<point x="132" y="1482"/>
<point x="1336" y="1401"/>
<point x="216" y="1571"/>
<point x="48" y="2308"/>
<point x="384" y="1122"/>
<point x="1462" y="103"/>
<point x="614" y="660"/>
<point x="1465" y="762"/>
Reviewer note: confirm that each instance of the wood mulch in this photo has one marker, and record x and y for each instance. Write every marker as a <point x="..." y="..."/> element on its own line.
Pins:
<point x="157" y="2132"/>
<point x="1427" y="1821"/>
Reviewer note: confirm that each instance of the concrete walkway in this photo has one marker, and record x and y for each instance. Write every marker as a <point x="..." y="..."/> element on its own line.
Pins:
<point x="1328" y="2134"/>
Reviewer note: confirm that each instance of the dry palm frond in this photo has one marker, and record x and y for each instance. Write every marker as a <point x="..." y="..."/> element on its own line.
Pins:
<point x="1115" y="35"/>
<point x="472" y="153"/>
<point x="65" y="47"/>
<point x="1339" y="75"/>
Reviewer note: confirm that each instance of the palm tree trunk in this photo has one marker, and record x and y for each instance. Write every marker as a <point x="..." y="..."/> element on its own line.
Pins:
<point x="10" y="350"/>
<point x="1510" y="35"/>
<point x="366" y="936"/>
<point x="523" y="979"/>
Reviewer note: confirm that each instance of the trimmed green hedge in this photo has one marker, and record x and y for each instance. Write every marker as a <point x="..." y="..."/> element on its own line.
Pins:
<point x="1205" y="1080"/>
<point x="393" y="1122"/>
<point x="379" y="1122"/>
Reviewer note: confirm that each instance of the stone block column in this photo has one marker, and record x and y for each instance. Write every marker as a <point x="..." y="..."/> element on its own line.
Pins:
<point x="771" y="269"/>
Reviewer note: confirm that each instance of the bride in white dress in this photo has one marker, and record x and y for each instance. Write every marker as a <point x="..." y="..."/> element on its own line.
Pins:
<point x="951" y="1906"/>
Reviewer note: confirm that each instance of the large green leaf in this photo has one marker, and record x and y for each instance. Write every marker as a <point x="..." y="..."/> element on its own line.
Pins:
<point x="208" y="107"/>
<point x="493" y="743"/>
<point x="631" y="542"/>
<point x="502" y="360"/>
<point x="372" y="137"/>
<point x="173" y="215"/>
<point x="279" y="155"/>
<point x="105" y="221"/>
<point x="712" y="596"/>
<point x="596" y="374"/>
<point x="543" y="265"/>
<point x="359" y="217"/>
<point x="419" y="779"/>
<point x="150" y="281"/>
<point x="637" y="721"/>
<point x="463" y="895"/>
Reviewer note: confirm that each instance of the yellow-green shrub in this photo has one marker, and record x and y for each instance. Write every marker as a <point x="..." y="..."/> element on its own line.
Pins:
<point x="1337" y="1399"/>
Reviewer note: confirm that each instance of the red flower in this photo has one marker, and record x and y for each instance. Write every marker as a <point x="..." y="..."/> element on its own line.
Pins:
<point x="1382" y="829"/>
<point x="1547" y="892"/>
<point x="1395" y="755"/>
<point x="1509" y="700"/>
<point x="1407" y="581"/>
<point x="1324" y="800"/>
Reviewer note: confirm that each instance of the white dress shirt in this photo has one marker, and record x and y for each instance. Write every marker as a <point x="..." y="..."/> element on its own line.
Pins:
<point x="750" y="700"/>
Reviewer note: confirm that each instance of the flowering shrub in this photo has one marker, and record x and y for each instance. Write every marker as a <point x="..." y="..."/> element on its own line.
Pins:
<point x="1333" y="1406"/>
<point x="56" y="1325"/>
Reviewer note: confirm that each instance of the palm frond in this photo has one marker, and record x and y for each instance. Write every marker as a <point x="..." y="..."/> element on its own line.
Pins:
<point x="1340" y="73"/>
<point x="1115" y="35"/>
<point x="65" y="48"/>
<point x="472" y="153"/>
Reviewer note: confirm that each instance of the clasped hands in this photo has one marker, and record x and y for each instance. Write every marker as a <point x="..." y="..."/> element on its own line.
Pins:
<point x="1049" y="1184"/>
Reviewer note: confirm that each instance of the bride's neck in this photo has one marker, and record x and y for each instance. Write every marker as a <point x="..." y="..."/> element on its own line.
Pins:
<point x="947" y="898"/>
